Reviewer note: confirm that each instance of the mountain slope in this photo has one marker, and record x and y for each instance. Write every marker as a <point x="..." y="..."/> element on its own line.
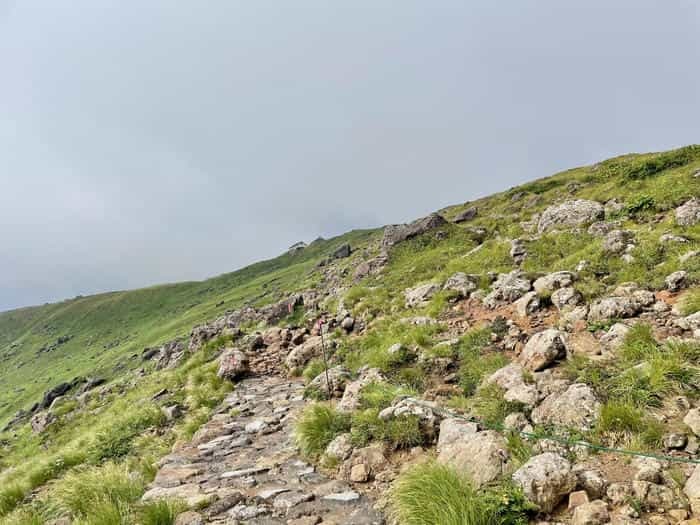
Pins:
<point x="561" y="311"/>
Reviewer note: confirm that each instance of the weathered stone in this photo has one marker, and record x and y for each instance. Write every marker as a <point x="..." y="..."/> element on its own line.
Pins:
<point x="566" y="298"/>
<point x="420" y="295"/>
<point x="617" y="241"/>
<point x="527" y="305"/>
<point x="396" y="233"/>
<point x="482" y="456"/>
<point x="340" y="448"/>
<point x="578" y="498"/>
<point x="233" y="364"/>
<point x="543" y="349"/>
<point x="570" y="214"/>
<point x="593" y="513"/>
<point x="688" y="213"/>
<point x="41" y="420"/>
<point x="189" y="518"/>
<point x="359" y="473"/>
<point x="510" y="379"/>
<point x="507" y="288"/>
<point x="545" y="480"/>
<point x="453" y="430"/>
<point x="692" y="420"/>
<point x="461" y="283"/>
<point x="577" y="407"/>
<point x="593" y="482"/>
<point x="351" y="395"/>
<point x="676" y="280"/>
<point x="302" y="354"/>
<point x="466" y="215"/>
<point x="338" y="377"/>
<point x="545" y="286"/>
<point x="692" y="490"/>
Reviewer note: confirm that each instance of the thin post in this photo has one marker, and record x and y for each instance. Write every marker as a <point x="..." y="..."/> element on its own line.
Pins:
<point x="325" y="359"/>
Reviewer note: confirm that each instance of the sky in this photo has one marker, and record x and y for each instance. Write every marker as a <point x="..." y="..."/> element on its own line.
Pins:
<point x="155" y="141"/>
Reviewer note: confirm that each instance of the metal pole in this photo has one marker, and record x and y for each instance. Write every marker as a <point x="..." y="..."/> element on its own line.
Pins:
<point x="325" y="359"/>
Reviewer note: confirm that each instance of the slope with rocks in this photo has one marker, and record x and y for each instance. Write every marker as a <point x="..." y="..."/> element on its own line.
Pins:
<point x="473" y="354"/>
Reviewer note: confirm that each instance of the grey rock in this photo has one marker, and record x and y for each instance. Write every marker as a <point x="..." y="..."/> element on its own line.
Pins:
<point x="543" y="349"/>
<point x="462" y="283"/>
<point x="566" y="298"/>
<point x="420" y="295"/>
<point x="233" y="364"/>
<point x="466" y="215"/>
<point x="688" y="214"/>
<point x="692" y="420"/>
<point x="546" y="285"/>
<point x="570" y="214"/>
<point x="617" y="241"/>
<point x="527" y="305"/>
<point x="338" y="376"/>
<point x="593" y="513"/>
<point x="397" y="233"/>
<point x="545" y="480"/>
<point x="676" y="280"/>
<point x="577" y="407"/>
<point x="507" y="288"/>
<point x="482" y="456"/>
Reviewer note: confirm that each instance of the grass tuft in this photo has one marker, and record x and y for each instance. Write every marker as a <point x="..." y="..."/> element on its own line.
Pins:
<point x="318" y="425"/>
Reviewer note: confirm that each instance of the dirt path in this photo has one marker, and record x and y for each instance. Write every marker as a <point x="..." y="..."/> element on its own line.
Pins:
<point x="244" y="460"/>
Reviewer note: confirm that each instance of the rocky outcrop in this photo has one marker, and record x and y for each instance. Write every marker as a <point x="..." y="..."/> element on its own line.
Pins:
<point x="545" y="286"/>
<point x="461" y="283"/>
<point x="351" y="395"/>
<point x="577" y="407"/>
<point x="482" y="456"/>
<point x="338" y="377"/>
<point x="618" y="241"/>
<point x="593" y="513"/>
<point x="688" y="213"/>
<point x="507" y="288"/>
<point x="420" y="295"/>
<point x="41" y="420"/>
<point x="302" y="354"/>
<point x="545" y="480"/>
<point x="466" y="215"/>
<point x="570" y="214"/>
<point x="396" y="233"/>
<point x="543" y="349"/>
<point x="627" y="300"/>
<point x="233" y="364"/>
<point x="516" y="389"/>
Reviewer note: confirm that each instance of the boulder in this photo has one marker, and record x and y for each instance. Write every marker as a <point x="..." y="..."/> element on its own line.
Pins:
<point x="466" y="215"/>
<point x="462" y="283"/>
<point x="614" y="308"/>
<point x="615" y="336"/>
<point x="338" y="376"/>
<point x="342" y="252"/>
<point x="302" y="354"/>
<point x="507" y="288"/>
<point x="688" y="214"/>
<point x="617" y="241"/>
<point x="233" y="364"/>
<point x="676" y="280"/>
<point x="545" y="286"/>
<point x="396" y="233"/>
<point x="570" y="214"/>
<point x="593" y="482"/>
<point x="482" y="456"/>
<point x="566" y="298"/>
<point x="577" y="407"/>
<point x="518" y="251"/>
<point x="429" y="414"/>
<point x="41" y="420"/>
<point x="453" y="430"/>
<point x="340" y="448"/>
<point x="527" y="305"/>
<point x="593" y="513"/>
<point x="545" y="480"/>
<point x="692" y="490"/>
<point x="692" y="420"/>
<point x="543" y="349"/>
<point x="420" y="295"/>
<point x="351" y="395"/>
<point x="510" y="379"/>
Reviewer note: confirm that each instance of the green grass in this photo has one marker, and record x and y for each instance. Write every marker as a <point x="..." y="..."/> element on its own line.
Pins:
<point x="400" y="432"/>
<point x="110" y="330"/>
<point x="430" y="493"/>
<point x="160" y="512"/>
<point x="488" y="403"/>
<point x="317" y="426"/>
<point x="690" y="303"/>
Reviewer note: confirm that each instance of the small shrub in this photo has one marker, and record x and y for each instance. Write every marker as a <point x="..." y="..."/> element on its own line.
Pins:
<point x="318" y="425"/>
<point x="520" y="449"/>
<point x="641" y="204"/>
<point x="313" y="369"/>
<point x="491" y="407"/>
<point x="10" y="497"/>
<point x="620" y="417"/>
<point x="97" y="492"/>
<point x="638" y="344"/>
<point x="690" y="303"/>
<point x="431" y="494"/>
<point x="160" y="512"/>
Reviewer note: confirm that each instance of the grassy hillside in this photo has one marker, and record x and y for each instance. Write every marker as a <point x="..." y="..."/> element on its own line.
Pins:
<point x="108" y="331"/>
<point x="119" y="432"/>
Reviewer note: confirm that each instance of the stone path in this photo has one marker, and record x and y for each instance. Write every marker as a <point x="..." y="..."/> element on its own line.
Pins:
<point x="244" y="462"/>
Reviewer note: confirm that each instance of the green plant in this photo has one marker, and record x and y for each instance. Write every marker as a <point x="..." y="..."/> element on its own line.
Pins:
<point x="313" y="369"/>
<point x="431" y="493"/>
<point x="10" y="497"/>
<point x="690" y="302"/>
<point x="491" y="407"/>
<point x="642" y="203"/>
<point x="160" y="512"/>
<point x="318" y="425"/>
<point x="519" y="448"/>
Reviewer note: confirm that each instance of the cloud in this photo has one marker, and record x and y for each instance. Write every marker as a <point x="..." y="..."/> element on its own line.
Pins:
<point x="160" y="141"/>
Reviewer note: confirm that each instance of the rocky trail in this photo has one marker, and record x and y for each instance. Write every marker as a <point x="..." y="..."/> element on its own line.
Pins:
<point x="242" y="466"/>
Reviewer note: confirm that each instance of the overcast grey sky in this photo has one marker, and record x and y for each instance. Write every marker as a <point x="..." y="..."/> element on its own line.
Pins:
<point x="161" y="140"/>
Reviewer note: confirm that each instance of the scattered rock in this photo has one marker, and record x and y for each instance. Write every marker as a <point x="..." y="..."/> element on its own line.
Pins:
<point x="41" y="420"/>
<point x="692" y="490"/>
<point x="233" y="364"/>
<point x="688" y="214"/>
<point x="570" y="214"/>
<point x="593" y="513"/>
<point x="543" y="349"/>
<point x="545" y="286"/>
<point x="482" y="456"/>
<point x="338" y="377"/>
<point x="397" y="233"/>
<point x="420" y="295"/>
<point x="462" y="283"/>
<point x="340" y="448"/>
<point x="518" y="251"/>
<point x="351" y="395"/>
<point x="516" y="389"/>
<point x="545" y="480"/>
<point x="507" y="288"/>
<point x="692" y="420"/>
<point x="617" y="241"/>
<point x="466" y="215"/>
<point x="577" y="407"/>
<point x="342" y="252"/>
<point x="527" y="305"/>
<point x="676" y="280"/>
